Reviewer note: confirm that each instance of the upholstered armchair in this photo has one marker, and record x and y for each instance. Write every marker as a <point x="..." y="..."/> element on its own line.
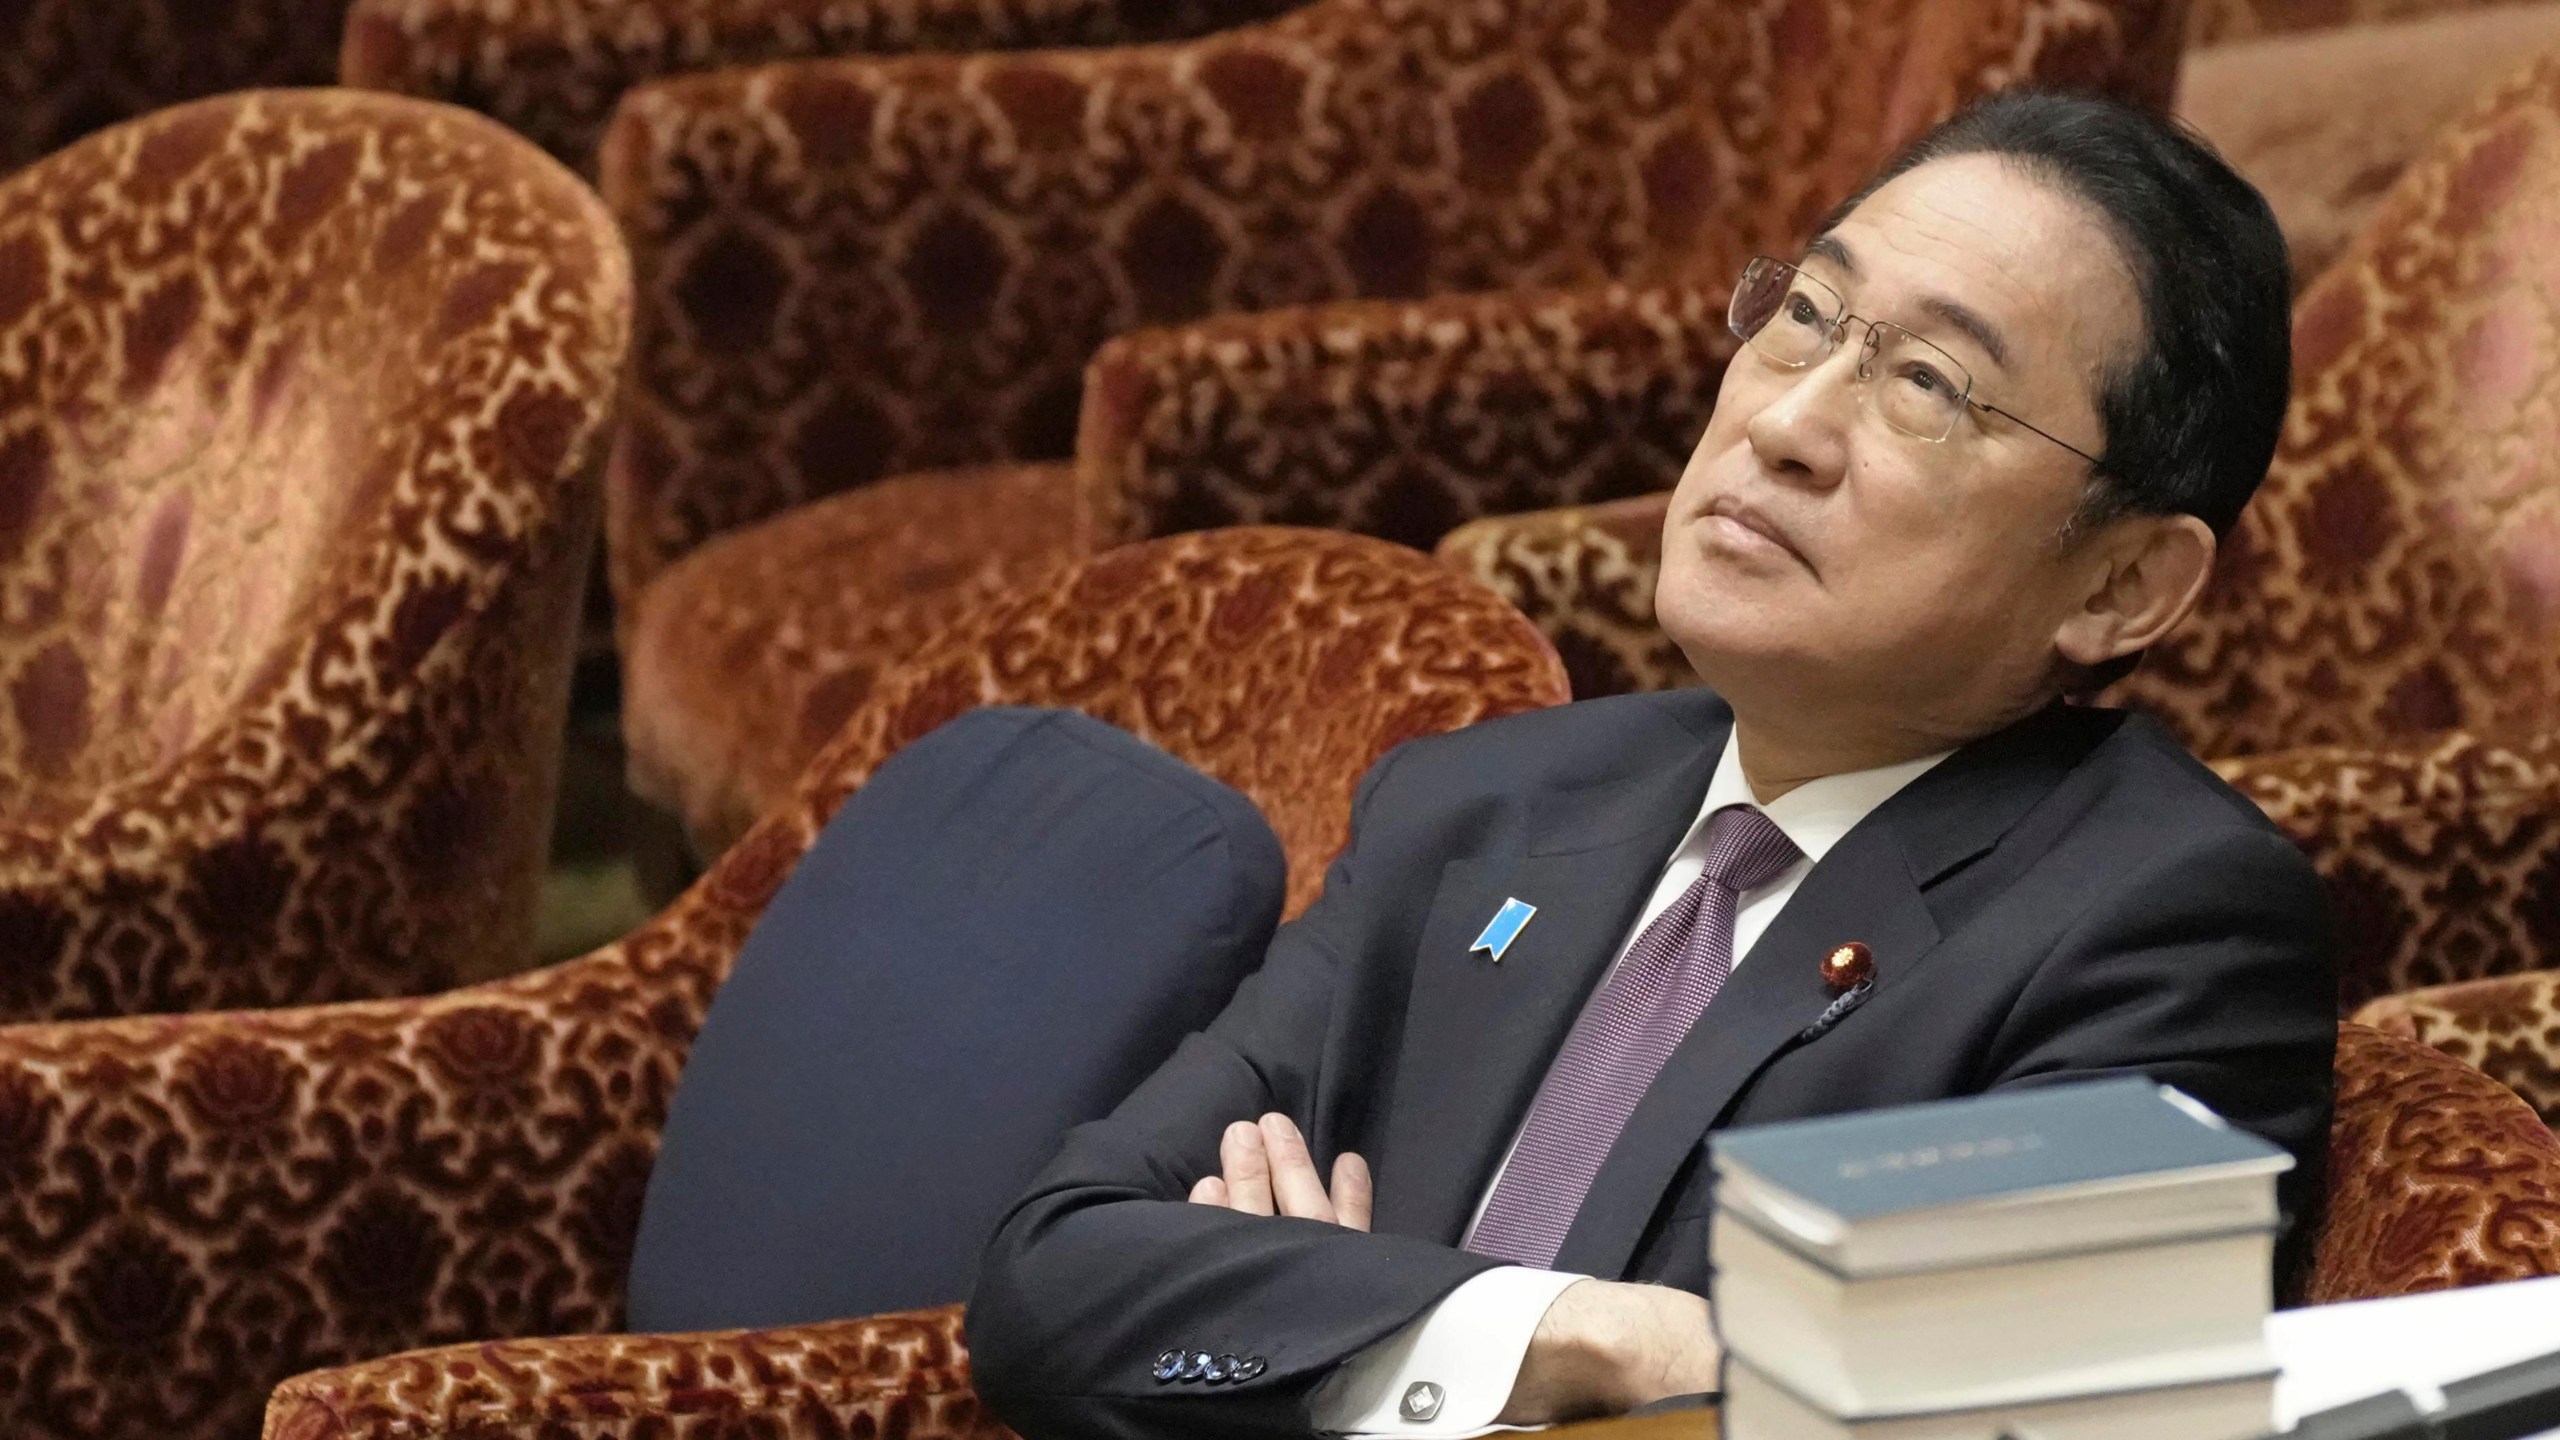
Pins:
<point x="194" y="1207"/>
<point x="2507" y="1027"/>
<point x="864" y="268"/>
<point x="750" y="651"/>
<point x="2378" y="657"/>
<point x="552" y="69"/>
<point x="71" y="67"/>
<point x="2438" y="1177"/>
<point x="303" y="399"/>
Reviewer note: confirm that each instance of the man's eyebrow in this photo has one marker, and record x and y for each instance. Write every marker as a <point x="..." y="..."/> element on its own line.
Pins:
<point x="1980" y="331"/>
<point x="1828" y="246"/>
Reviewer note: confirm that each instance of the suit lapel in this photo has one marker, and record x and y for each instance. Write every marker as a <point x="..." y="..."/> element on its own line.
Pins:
<point x="1479" y="1035"/>
<point x="1871" y="888"/>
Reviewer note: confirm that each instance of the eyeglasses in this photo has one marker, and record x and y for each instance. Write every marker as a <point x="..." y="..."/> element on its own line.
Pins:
<point x="1796" y="321"/>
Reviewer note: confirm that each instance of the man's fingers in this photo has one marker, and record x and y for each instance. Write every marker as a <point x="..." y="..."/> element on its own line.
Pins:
<point x="1248" y="1168"/>
<point x="1295" y="1185"/>
<point x="1351" y="1191"/>
<point x="1210" y="1191"/>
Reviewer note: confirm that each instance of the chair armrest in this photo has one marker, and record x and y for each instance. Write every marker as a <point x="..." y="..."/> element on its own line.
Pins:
<point x="194" y="1207"/>
<point x="905" y="1375"/>
<point x="1586" y="575"/>
<point x="2442" y="860"/>
<point x="552" y="69"/>
<point x="2437" y="1177"/>
<point x="1400" y="420"/>
<point x="2508" y="1028"/>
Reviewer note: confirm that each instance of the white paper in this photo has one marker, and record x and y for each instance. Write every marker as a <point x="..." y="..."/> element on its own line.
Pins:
<point x="2334" y="1354"/>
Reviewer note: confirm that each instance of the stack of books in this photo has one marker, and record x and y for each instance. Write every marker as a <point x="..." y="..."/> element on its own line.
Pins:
<point x="2076" y="1262"/>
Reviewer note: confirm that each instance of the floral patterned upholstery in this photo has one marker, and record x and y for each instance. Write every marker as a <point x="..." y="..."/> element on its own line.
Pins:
<point x="302" y="409"/>
<point x="903" y="1375"/>
<point x="1184" y="428"/>
<point x="747" y="656"/>
<point x="552" y="69"/>
<point x="2394" y="590"/>
<point x="194" y="1207"/>
<point x="1585" y="574"/>
<point x="2437" y="1178"/>
<point x="853" y="268"/>
<point x="2507" y="1027"/>
<point x="69" y="68"/>
<point x="859" y="312"/>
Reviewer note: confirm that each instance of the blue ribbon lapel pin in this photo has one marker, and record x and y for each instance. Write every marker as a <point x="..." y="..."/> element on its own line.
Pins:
<point x="1503" y="928"/>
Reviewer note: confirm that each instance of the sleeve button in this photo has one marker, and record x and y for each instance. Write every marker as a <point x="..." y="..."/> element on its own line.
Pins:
<point x="1221" y="1368"/>
<point x="1246" y="1369"/>
<point x="1168" y="1367"/>
<point x="1197" y="1367"/>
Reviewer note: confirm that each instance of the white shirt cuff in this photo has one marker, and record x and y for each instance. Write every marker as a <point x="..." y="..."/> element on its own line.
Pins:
<point x="1469" y="1346"/>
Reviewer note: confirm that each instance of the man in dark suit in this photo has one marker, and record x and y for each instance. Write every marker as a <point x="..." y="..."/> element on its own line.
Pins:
<point x="1975" y="456"/>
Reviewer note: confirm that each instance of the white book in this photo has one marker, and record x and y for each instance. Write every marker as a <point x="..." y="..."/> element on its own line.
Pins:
<point x="2016" y="1332"/>
<point x="2237" y="1408"/>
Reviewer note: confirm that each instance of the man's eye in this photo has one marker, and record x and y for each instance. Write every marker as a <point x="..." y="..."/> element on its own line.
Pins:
<point x="1803" y="311"/>
<point x="1925" y="379"/>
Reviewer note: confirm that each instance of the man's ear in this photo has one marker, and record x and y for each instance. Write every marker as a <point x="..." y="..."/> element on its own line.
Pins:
<point x="2143" y="574"/>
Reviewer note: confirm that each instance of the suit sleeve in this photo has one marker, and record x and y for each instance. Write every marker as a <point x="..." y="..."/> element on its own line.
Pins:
<point x="2212" y="969"/>
<point x="1103" y="1267"/>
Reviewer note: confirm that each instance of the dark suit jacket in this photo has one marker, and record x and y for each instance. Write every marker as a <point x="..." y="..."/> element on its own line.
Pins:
<point x="2074" y="896"/>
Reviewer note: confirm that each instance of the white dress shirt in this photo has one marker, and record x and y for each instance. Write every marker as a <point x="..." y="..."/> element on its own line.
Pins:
<point x="1472" y="1343"/>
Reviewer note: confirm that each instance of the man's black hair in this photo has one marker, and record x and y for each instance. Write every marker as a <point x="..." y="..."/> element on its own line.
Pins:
<point x="2191" y="417"/>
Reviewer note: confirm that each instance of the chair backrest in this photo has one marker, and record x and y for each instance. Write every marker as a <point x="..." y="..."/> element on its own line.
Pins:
<point x="2438" y="1177"/>
<point x="1584" y="574"/>
<point x="1283" y="662"/>
<point x="71" y="67"/>
<point x="2399" y="571"/>
<point x="302" y="405"/>
<point x="268" y="401"/>
<point x="871" y="303"/>
<point x="2508" y="1028"/>
<point x="551" y="72"/>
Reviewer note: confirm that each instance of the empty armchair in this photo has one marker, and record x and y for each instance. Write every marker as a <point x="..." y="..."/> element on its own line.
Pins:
<point x="751" y="650"/>
<point x="196" y="1207"/>
<point x="865" y="309"/>
<point x="552" y="69"/>
<point x="2437" y="1178"/>
<point x="302" y="404"/>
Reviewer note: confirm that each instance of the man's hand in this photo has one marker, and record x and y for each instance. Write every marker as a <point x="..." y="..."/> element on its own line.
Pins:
<point x="1266" y="1170"/>
<point x="1606" y="1347"/>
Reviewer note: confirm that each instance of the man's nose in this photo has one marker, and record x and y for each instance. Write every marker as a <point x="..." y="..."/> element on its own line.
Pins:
<point x="1804" y="429"/>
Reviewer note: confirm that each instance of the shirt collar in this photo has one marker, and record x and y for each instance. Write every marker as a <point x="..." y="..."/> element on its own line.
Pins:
<point x="1817" y="813"/>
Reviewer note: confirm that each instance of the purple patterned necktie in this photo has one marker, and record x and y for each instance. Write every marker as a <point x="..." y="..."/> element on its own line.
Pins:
<point x="1623" y="1040"/>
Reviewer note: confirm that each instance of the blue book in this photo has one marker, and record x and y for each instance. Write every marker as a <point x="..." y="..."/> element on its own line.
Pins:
<point x="2043" y="1171"/>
